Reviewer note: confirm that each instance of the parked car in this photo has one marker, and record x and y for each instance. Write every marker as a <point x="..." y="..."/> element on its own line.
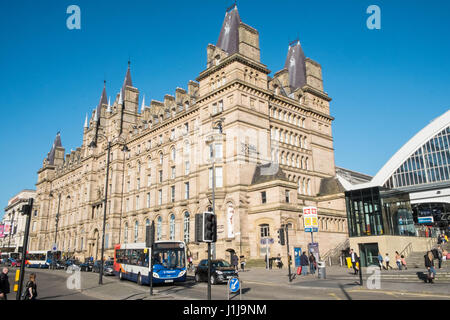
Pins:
<point x="14" y="263"/>
<point x="107" y="267"/>
<point x="72" y="264"/>
<point x="86" y="266"/>
<point x="221" y="271"/>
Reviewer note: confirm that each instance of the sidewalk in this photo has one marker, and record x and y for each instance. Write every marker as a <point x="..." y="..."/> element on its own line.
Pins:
<point x="340" y="277"/>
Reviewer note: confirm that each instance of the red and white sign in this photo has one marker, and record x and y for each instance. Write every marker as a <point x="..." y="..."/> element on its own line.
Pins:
<point x="310" y="220"/>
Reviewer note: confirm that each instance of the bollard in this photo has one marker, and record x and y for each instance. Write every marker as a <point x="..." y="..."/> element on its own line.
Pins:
<point x="16" y="285"/>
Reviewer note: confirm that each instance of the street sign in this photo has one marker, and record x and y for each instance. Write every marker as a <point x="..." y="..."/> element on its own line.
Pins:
<point x="54" y="247"/>
<point x="234" y="285"/>
<point x="425" y="219"/>
<point x="266" y="241"/>
<point x="310" y="219"/>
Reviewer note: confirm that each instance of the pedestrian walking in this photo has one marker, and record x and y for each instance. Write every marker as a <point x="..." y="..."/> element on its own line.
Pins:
<point x="304" y="262"/>
<point x="398" y="260"/>
<point x="4" y="284"/>
<point x="354" y="257"/>
<point x="31" y="288"/>
<point x="403" y="262"/>
<point x="242" y="263"/>
<point x="439" y="254"/>
<point x="429" y="264"/>
<point x="234" y="261"/>
<point x="270" y="263"/>
<point x="380" y="261"/>
<point x="279" y="262"/>
<point x="312" y="264"/>
<point x="387" y="259"/>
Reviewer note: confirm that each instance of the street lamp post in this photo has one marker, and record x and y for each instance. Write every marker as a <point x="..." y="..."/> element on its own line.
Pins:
<point x="93" y="144"/>
<point x="56" y="226"/>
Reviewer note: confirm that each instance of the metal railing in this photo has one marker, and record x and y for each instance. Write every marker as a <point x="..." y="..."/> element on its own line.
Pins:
<point x="407" y="250"/>
<point x="335" y="252"/>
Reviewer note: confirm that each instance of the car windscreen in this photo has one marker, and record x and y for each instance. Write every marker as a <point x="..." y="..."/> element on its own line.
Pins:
<point x="170" y="258"/>
<point x="220" y="263"/>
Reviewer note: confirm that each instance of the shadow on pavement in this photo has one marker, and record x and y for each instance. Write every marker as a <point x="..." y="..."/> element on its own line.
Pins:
<point x="345" y="292"/>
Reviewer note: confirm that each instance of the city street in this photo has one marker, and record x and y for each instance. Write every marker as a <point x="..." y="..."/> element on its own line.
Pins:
<point x="257" y="283"/>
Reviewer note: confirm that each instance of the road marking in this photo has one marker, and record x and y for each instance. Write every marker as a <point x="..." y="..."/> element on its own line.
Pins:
<point x="335" y="296"/>
<point x="394" y="293"/>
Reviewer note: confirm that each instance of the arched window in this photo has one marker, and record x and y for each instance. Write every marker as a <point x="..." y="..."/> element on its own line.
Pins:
<point x="308" y="186"/>
<point x="304" y="186"/>
<point x="187" y="148"/>
<point x="125" y="236"/>
<point x="186" y="226"/>
<point x="172" y="227"/>
<point x="147" y="222"/>
<point x="136" y="231"/>
<point x="173" y="154"/>
<point x="161" y="158"/>
<point x="159" y="228"/>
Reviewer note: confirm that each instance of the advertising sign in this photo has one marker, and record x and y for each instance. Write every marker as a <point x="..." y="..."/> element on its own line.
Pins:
<point x="310" y="219"/>
<point x="297" y="254"/>
<point x="2" y="235"/>
<point x="7" y="228"/>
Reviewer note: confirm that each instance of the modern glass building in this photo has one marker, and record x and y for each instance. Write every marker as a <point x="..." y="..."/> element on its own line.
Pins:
<point x="379" y="211"/>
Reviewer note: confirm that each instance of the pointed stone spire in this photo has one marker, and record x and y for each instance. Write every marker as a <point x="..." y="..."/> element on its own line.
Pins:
<point x="143" y="105"/>
<point x="229" y="34"/>
<point x="295" y="64"/>
<point x="127" y="81"/>
<point x="51" y="154"/>
<point x="95" y="115"/>
<point x="103" y="100"/>
<point x="86" y="122"/>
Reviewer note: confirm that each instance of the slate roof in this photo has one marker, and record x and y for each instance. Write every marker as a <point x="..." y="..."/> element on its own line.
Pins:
<point x="51" y="154"/>
<point x="229" y="34"/>
<point x="295" y="63"/>
<point x="263" y="173"/>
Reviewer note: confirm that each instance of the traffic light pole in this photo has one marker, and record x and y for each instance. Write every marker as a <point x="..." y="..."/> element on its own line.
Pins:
<point x="28" y="209"/>
<point x="209" y="270"/>
<point x="288" y="257"/>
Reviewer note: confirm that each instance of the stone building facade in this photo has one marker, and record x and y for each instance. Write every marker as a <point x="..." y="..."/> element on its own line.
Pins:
<point x="13" y="241"/>
<point x="270" y="139"/>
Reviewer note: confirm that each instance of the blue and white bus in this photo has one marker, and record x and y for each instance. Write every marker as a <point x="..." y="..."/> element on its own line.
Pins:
<point x="36" y="259"/>
<point x="169" y="262"/>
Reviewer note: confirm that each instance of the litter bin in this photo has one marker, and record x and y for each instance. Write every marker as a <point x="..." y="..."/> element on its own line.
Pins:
<point x="321" y="269"/>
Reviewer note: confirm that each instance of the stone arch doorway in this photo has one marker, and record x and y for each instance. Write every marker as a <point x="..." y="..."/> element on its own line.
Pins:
<point x="230" y="253"/>
<point x="94" y="245"/>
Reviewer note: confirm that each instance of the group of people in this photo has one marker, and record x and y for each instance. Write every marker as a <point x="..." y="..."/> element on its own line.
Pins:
<point x="30" y="292"/>
<point x="399" y="260"/>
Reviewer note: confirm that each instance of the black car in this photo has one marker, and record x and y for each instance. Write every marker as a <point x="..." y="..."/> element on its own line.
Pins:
<point x="86" y="266"/>
<point x="107" y="267"/>
<point x="221" y="271"/>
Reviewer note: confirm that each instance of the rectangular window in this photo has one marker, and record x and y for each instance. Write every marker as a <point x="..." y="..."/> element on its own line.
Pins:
<point x="186" y="190"/>
<point x="172" y="134"/>
<point x="160" y="176"/>
<point x="138" y="183"/>
<point x="218" y="178"/>
<point x="148" y="199"/>
<point x="138" y="206"/>
<point x="127" y="205"/>
<point x="186" y="128"/>
<point x="159" y="197"/>
<point x="149" y="180"/>
<point x="220" y="105"/>
<point x="218" y="151"/>
<point x="172" y="193"/>
<point x="287" y="196"/>
<point x="160" y="139"/>
<point x="187" y="168"/>
<point x="263" y="197"/>
<point x="173" y="175"/>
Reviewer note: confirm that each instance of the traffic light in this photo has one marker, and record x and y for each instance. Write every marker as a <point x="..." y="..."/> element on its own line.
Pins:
<point x="209" y="227"/>
<point x="281" y="236"/>
<point x="26" y="209"/>
<point x="199" y="227"/>
<point x="150" y="235"/>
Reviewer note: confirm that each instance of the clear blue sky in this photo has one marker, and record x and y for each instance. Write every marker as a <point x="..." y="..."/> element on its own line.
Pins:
<point x="386" y="84"/>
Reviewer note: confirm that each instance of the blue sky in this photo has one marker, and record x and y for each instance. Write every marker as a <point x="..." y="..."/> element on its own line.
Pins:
<point x="386" y="84"/>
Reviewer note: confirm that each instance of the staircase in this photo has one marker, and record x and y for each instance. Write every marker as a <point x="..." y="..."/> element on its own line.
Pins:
<point x="417" y="260"/>
<point x="333" y="256"/>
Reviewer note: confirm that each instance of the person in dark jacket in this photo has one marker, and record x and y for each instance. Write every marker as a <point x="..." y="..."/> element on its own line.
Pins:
<point x="429" y="264"/>
<point x="31" y="288"/>
<point x="312" y="264"/>
<point x="355" y="259"/>
<point x="304" y="262"/>
<point x="4" y="284"/>
<point x="234" y="261"/>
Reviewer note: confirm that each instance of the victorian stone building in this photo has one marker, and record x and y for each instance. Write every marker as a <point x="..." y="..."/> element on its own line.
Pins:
<point x="269" y="140"/>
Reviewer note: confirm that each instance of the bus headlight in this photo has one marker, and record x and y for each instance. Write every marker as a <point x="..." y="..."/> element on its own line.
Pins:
<point x="219" y="272"/>
<point x="155" y="275"/>
<point x="182" y="273"/>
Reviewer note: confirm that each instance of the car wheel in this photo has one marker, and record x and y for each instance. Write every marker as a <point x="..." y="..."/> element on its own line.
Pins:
<point x="139" y="280"/>
<point x="213" y="279"/>
<point x="120" y="275"/>
<point x="197" y="277"/>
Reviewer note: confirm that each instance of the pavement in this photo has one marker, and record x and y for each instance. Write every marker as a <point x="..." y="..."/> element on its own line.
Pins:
<point x="257" y="284"/>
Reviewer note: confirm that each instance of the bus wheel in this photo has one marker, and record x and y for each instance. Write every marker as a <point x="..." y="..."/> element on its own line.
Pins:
<point x="120" y="275"/>
<point x="139" y="280"/>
